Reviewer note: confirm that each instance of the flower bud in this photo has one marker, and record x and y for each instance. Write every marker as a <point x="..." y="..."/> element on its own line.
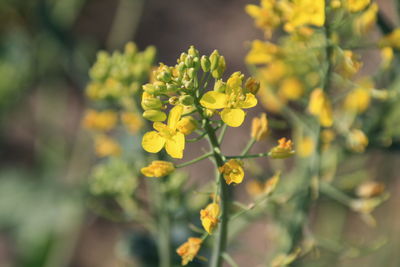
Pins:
<point x="189" y="61"/>
<point x="283" y="150"/>
<point x="220" y="86"/>
<point x="154" y="115"/>
<point x="214" y="59"/>
<point x="217" y="73"/>
<point x="357" y="140"/>
<point x="164" y="76"/>
<point x="183" y="57"/>
<point x="193" y="51"/>
<point x="205" y="63"/>
<point x="149" y="88"/>
<point x="259" y="127"/>
<point x="151" y="103"/>
<point x="158" y="168"/>
<point x="186" y="100"/>
<point x="208" y="112"/>
<point x="191" y="73"/>
<point x="174" y="100"/>
<point x="196" y="63"/>
<point x="370" y="189"/>
<point x="252" y="85"/>
<point x="187" y="125"/>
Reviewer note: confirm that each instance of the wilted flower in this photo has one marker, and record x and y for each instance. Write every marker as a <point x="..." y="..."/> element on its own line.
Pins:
<point x="232" y="171"/>
<point x="158" y="168"/>
<point x="189" y="249"/>
<point x="209" y="217"/>
<point x="259" y="127"/>
<point x="283" y="150"/>
<point x="370" y="189"/>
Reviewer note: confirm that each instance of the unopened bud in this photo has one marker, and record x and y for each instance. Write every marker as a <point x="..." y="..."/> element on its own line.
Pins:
<point x="189" y="61"/>
<point x="154" y="115"/>
<point x="214" y="58"/>
<point x="151" y="103"/>
<point x="191" y="73"/>
<point x="259" y="127"/>
<point x="164" y="76"/>
<point x="193" y="51"/>
<point x="186" y="100"/>
<point x="217" y="73"/>
<point x="149" y="88"/>
<point x="205" y="63"/>
<point x="220" y="86"/>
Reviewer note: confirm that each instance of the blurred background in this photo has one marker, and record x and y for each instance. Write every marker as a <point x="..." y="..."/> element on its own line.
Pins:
<point x="46" y="50"/>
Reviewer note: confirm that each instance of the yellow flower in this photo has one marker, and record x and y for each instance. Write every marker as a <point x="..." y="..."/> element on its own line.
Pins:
<point x="261" y="52"/>
<point x="266" y="16"/>
<point x="100" y="121"/>
<point x="306" y="12"/>
<point x="364" y="22"/>
<point x="166" y="136"/>
<point x="291" y="88"/>
<point x="391" y="40"/>
<point x="320" y="106"/>
<point x="209" y="217"/>
<point x="357" y="140"/>
<point x="356" y="5"/>
<point x="189" y="249"/>
<point x="106" y="146"/>
<point x="158" y="168"/>
<point x="305" y="147"/>
<point x="132" y="121"/>
<point x="284" y="149"/>
<point x="259" y="127"/>
<point x="233" y="101"/>
<point x="387" y="55"/>
<point x="257" y="188"/>
<point x="232" y="171"/>
<point x="359" y="99"/>
<point x="187" y="125"/>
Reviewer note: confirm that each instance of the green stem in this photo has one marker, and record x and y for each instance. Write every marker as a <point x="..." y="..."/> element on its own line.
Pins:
<point x="335" y="194"/>
<point x="249" y="145"/>
<point x="209" y="154"/>
<point x="244" y="156"/>
<point x="222" y="134"/>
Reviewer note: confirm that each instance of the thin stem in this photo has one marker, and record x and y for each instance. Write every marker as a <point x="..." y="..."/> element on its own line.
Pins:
<point x="249" y="145"/>
<point x="259" y="155"/>
<point x="209" y="154"/>
<point x="335" y="194"/>
<point x="198" y="138"/>
<point x="222" y="134"/>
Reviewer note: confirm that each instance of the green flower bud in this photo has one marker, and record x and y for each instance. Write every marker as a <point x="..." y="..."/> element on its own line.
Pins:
<point x="171" y="87"/>
<point x="191" y="73"/>
<point x="149" y="88"/>
<point x="205" y="63"/>
<point x="193" y="51"/>
<point x="208" y="112"/>
<point x="189" y="61"/>
<point x="174" y="100"/>
<point x="181" y="68"/>
<point x="214" y="58"/>
<point x="154" y="115"/>
<point x="217" y="73"/>
<point x="151" y="103"/>
<point x="164" y="76"/>
<point x="196" y="63"/>
<point x="130" y="48"/>
<point x="220" y="86"/>
<point x="183" y="57"/>
<point x="160" y="87"/>
<point x="186" y="100"/>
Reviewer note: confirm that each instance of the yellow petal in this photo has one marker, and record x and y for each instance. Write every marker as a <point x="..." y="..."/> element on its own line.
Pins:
<point x="176" y="145"/>
<point x="233" y="117"/>
<point x="159" y="126"/>
<point x="152" y="142"/>
<point x="213" y="100"/>
<point x="174" y="116"/>
<point x="249" y="102"/>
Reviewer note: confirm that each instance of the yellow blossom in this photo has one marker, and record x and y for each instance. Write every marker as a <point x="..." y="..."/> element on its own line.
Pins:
<point x="233" y="101"/>
<point x="106" y="146"/>
<point x="166" y="136"/>
<point x="391" y="40"/>
<point x="189" y="249"/>
<point x="370" y="189"/>
<point x="359" y="98"/>
<point x="187" y="125"/>
<point x="261" y="52"/>
<point x="132" y="121"/>
<point x="209" y="217"/>
<point x="232" y="171"/>
<point x="291" y="88"/>
<point x="158" y="168"/>
<point x="259" y="127"/>
<point x="387" y="55"/>
<point x="100" y="120"/>
<point x="320" y="106"/>
<point x="305" y="147"/>
<point x="364" y="22"/>
<point x="284" y="149"/>
<point x="306" y="12"/>
<point x="266" y="15"/>
<point x="356" y="5"/>
<point x="357" y="140"/>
